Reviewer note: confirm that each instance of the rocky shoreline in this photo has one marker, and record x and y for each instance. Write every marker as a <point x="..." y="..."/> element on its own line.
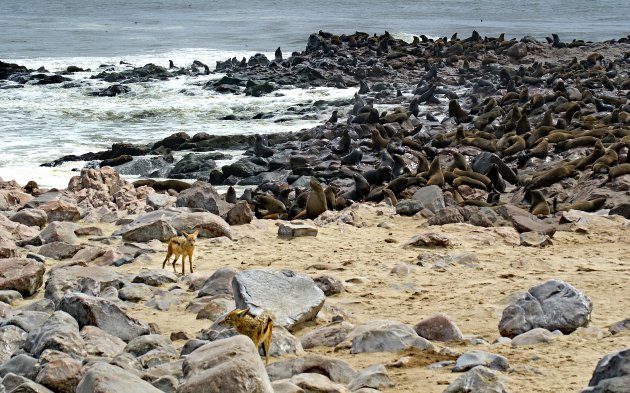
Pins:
<point x="530" y="154"/>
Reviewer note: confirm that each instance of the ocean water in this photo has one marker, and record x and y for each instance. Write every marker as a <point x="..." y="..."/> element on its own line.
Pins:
<point x="41" y="123"/>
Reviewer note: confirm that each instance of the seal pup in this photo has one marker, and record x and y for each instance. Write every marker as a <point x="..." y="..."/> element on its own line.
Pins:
<point x="539" y="205"/>
<point x="333" y="118"/>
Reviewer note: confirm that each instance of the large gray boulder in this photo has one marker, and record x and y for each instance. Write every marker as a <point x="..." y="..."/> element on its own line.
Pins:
<point x="85" y="279"/>
<point x="158" y="229"/>
<point x="203" y="196"/>
<point x="384" y="336"/>
<point x="26" y="320"/>
<point x="553" y="305"/>
<point x="219" y="283"/>
<point x="22" y="275"/>
<point x="106" y="378"/>
<point x="479" y="379"/>
<point x="231" y="365"/>
<point x="102" y="313"/>
<point x="291" y="298"/>
<point x="335" y="369"/>
<point x="100" y="343"/>
<point x="612" y="374"/>
<point x="430" y="197"/>
<point x="60" y="332"/>
<point x="12" y="338"/>
<point x="59" y="372"/>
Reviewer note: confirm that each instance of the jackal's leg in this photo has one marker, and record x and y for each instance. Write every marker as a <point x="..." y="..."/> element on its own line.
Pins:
<point x="190" y="261"/>
<point x="174" y="262"/>
<point x="267" y="343"/>
<point x="168" y="255"/>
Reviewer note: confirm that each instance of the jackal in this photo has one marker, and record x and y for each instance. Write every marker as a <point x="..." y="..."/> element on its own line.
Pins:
<point x="258" y="328"/>
<point x="184" y="246"/>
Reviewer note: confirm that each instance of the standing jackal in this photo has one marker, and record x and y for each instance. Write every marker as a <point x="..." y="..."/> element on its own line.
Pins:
<point x="184" y="246"/>
<point x="258" y="328"/>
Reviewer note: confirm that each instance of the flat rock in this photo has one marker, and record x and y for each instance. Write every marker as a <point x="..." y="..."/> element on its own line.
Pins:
<point x="429" y="240"/>
<point x="22" y="275"/>
<point x="60" y="332"/>
<point x="438" y="327"/>
<point x="86" y="279"/>
<point x="408" y="207"/>
<point x="479" y="379"/>
<point x="475" y="358"/>
<point x="533" y="337"/>
<point x="230" y="365"/>
<point x="59" y="232"/>
<point x="59" y="250"/>
<point x="447" y="215"/>
<point x="335" y="369"/>
<point x="329" y="285"/>
<point x="106" y="378"/>
<point x="155" y="277"/>
<point x="13" y="199"/>
<point x="258" y="290"/>
<point x="26" y="320"/>
<point x="612" y="374"/>
<point x="553" y="305"/>
<point x="155" y="230"/>
<point x="32" y="217"/>
<point x="100" y="343"/>
<point x="384" y="336"/>
<point x="535" y="239"/>
<point x="103" y="313"/>
<point x="374" y="377"/>
<point x="289" y="231"/>
<point x="523" y="221"/>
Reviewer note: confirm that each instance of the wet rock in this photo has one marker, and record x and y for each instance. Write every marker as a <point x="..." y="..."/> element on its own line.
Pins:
<point x="334" y="369"/>
<point x="219" y="283"/>
<point x="533" y="337"/>
<point x="553" y="305"/>
<point x="103" y="313"/>
<point x="59" y="250"/>
<point x="59" y="372"/>
<point x="479" y="379"/>
<point x="22" y="275"/>
<point x="258" y="289"/>
<point x="244" y="167"/>
<point x="12" y="338"/>
<point x="59" y="232"/>
<point x="60" y="332"/>
<point x="374" y="377"/>
<point x="475" y="358"/>
<point x="86" y="279"/>
<point x="193" y="166"/>
<point x="204" y="369"/>
<point x="612" y="374"/>
<point x="60" y="210"/>
<point x="155" y="277"/>
<point x="290" y="231"/>
<point x="327" y="336"/>
<point x="202" y="195"/>
<point x="31" y="217"/>
<point x="106" y="378"/>
<point x="438" y="327"/>
<point x="329" y="285"/>
<point x="384" y="336"/>
<point x="430" y="197"/>
<point x="240" y="214"/>
<point x="429" y="240"/>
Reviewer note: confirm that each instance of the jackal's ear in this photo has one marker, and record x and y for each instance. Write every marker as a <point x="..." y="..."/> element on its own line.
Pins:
<point x="195" y="233"/>
<point x="242" y="312"/>
<point x="184" y="233"/>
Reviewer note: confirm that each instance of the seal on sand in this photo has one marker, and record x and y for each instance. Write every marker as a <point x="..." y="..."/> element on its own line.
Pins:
<point x="316" y="202"/>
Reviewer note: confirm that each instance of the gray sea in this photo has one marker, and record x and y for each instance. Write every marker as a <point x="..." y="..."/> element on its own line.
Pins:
<point x="41" y="123"/>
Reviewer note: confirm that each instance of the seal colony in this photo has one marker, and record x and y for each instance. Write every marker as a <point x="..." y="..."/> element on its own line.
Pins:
<point x="492" y="146"/>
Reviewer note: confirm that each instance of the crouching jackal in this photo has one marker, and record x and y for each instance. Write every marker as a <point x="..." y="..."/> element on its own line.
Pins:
<point x="181" y="246"/>
<point x="258" y="328"/>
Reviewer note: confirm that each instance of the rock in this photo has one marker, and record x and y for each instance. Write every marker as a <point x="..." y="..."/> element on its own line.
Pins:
<point x="219" y="283"/>
<point x="205" y="368"/>
<point x="620" y="326"/>
<point x="334" y="369"/>
<point x="314" y="382"/>
<point x="20" y="364"/>
<point x="135" y="292"/>
<point x="61" y="211"/>
<point x="384" y="336"/>
<point x="8" y="249"/>
<point x="12" y="338"/>
<point x="286" y="386"/>
<point x="193" y="166"/>
<point x="85" y="279"/>
<point x="9" y="296"/>
<point x="155" y="230"/>
<point x="612" y="374"/>
<point x="553" y="305"/>
<point x="535" y="239"/>
<point x="533" y="337"/>
<point x="88" y="254"/>
<point x="31" y="217"/>
<point x="244" y="167"/>
<point x="475" y="358"/>
<point x="151" y="350"/>
<point x="41" y="305"/>
<point x="88" y="231"/>
<point x="26" y="320"/>
<point x="431" y="198"/>
<point x="438" y="327"/>
<point x="329" y="285"/>
<point x="166" y="384"/>
<point x="448" y="215"/>
<point x="59" y="372"/>
<point x="106" y="378"/>
<point x="479" y="379"/>
<point x="374" y="377"/>
<point x="240" y="214"/>
<point x="523" y="221"/>
<point x="327" y="336"/>
<point x="22" y="275"/>
<point x="59" y="250"/>
<point x="622" y="209"/>
<point x="100" y="343"/>
<point x="258" y="289"/>
<point x="203" y="196"/>
<point x="160" y="201"/>
<point x="60" y="332"/>
<point x="517" y="51"/>
<point x="13" y="199"/>
<point x="163" y="300"/>
<point x="16" y="384"/>
<point x="408" y="207"/>
<point x="103" y="313"/>
<point x="429" y="240"/>
<point x="216" y="307"/>
<point x="290" y="231"/>
<point x="283" y="342"/>
<point x="155" y="277"/>
<point x="59" y="232"/>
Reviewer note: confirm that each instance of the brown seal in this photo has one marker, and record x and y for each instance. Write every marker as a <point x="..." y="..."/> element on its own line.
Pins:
<point x="435" y="175"/>
<point x="586" y="206"/>
<point x="316" y="202"/>
<point x="539" y="206"/>
<point x="378" y="141"/>
<point x="331" y="200"/>
<point x="389" y="195"/>
<point x="551" y="176"/>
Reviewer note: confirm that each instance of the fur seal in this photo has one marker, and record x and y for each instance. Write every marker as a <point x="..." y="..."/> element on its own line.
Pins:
<point x="552" y="176"/>
<point x="389" y="195"/>
<point x="539" y="205"/>
<point x="261" y="148"/>
<point x="316" y="202"/>
<point x="517" y="144"/>
<point x="230" y="195"/>
<point x="401" y="183"/>
<point x="456" y="111"/>
<point x="484" y="144"/>
<point x="619" y="170"/>
<point x="270" y="205"/>
<point x="459" y="161"/>
<point x="378" y="142"/>
<point x="378" y="175"/>
<point x="470" y="182"/>
<point x="436" y="177"/>
<point x="352" y="158"/>
<point x="333" y="118"/>
<point x="330" y="198"/>
<point x="163" y="185"/>
<point x="344" y="143"/>
<point x="495" y="177"/>
<point x="474" y="175"/>
<point x="587" y="206"/>
<point x="278" y="55"/>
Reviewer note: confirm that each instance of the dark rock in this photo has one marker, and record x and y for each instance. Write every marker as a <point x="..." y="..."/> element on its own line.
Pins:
<point x="329" y="285"/>
<point x="31" y="217"/>
<point x="26" y="320"/>
<point x="60" y="332"/>
<point x="111" y="91"/>
<point x="429" y="240"/>
<point x="438" y="327"/>
<point x="20" y="364"/>
<point x="553" y="305"/>
<point x="202" y="195"/>
<point x="193" y="166"/>
<point x="219" y="283"/>
<point x="116" y="161"/>
<point x="622" y="210"/>
<point x="244" y="167"/>
<point x="612" y="374"/>
<point x="174" y="141"/>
